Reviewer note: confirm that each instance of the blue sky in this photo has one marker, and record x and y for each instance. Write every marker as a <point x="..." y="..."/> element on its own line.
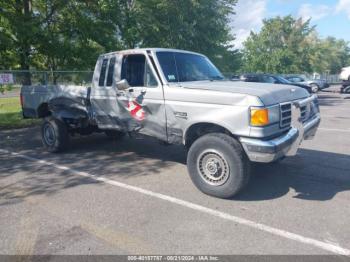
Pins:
<point x="332" y="17"/>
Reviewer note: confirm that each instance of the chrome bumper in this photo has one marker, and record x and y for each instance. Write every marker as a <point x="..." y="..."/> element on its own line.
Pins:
<point x="267" y="151"/>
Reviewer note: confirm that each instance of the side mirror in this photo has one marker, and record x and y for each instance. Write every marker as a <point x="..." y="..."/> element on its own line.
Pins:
<point x="122" y="85"/>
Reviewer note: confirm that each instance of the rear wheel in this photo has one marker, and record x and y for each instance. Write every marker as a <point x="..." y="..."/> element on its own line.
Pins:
<point x="218" y="165"/>
<point x="54" y="135"/>
<point x="346" y="90"/>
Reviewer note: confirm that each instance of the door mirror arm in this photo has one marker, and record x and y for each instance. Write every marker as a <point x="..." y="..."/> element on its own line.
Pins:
<point x="122" y="85"/>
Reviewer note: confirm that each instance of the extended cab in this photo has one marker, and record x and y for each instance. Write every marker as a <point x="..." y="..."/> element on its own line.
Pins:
<point x="180" y="97"/>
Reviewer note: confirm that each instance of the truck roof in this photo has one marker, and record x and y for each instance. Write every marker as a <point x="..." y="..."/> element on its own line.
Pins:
<point x="131" y="51"/>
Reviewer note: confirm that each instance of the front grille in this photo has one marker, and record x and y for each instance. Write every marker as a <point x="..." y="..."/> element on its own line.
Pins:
<point x="303" y="113"/>
<point x="286" y="115"/>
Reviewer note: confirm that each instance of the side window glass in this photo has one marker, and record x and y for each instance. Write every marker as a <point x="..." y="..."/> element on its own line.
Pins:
<point x="110" y="73"/>
<point x="133" y="69"/>
<point x="149" y="80"/>
<point x="101" y="81"/>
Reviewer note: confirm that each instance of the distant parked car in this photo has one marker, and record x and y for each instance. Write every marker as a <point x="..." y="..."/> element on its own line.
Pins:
<point x="315" y="84"/>
<point x="272" y="79"/>
<point x="345" y="74"/>
<point x="345" y="89"/>
<point x="234" y="77"/>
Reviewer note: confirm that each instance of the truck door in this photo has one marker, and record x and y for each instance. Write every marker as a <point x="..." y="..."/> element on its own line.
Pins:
<point x="103" y="93"/>
<point x="143" y="102"/>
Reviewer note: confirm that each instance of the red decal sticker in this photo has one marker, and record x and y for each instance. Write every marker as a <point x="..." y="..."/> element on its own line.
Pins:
<point x="136" y="110"/>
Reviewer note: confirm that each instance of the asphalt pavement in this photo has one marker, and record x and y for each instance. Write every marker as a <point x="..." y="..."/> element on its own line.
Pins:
<point x="135" y="197"/>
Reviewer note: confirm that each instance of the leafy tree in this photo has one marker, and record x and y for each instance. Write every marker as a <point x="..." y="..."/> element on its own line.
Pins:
<point x="197" y="25"/>
<point x="282" y="46"/>
<point x="329" y="55"/>
<point x="288" y="45"/>
<point x="69" y="34"/>
<point x="18" y="29"/>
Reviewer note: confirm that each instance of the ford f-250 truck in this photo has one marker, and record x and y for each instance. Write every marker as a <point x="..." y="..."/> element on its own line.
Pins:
<point x="180" y="97"/>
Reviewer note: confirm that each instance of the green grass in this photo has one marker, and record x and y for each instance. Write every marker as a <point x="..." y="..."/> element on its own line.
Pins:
<point x="11" y="114"/>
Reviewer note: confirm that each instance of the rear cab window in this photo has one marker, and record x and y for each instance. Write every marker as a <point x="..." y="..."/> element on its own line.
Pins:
<point x="110" y="72"/>
<point x="101" y="81"/>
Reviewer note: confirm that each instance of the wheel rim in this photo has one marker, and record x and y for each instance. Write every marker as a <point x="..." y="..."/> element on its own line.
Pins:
<point x="49" y="134"/>
<point x="213" y="168"/>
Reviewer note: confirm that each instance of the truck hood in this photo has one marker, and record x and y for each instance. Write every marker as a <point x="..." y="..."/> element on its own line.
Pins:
<point x="269" y="94"/>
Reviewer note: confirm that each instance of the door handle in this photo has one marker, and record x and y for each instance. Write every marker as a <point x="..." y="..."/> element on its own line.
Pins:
<point x="131" y="90"/>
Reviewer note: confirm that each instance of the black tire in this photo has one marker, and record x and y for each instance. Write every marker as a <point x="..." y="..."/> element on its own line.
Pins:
<point x="346" y="90"/>
<point x="114" y="134"/>
<point x="314" y="88"/>
<point x="228" y="157"/>
<point x="54" y="135"/>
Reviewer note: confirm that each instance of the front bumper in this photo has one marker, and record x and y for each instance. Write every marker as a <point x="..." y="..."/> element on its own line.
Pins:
<point x="267" y="151"/>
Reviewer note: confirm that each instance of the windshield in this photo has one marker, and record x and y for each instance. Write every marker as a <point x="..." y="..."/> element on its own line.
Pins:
<point x="283" y="80"/>
<point x="185" y="67"/>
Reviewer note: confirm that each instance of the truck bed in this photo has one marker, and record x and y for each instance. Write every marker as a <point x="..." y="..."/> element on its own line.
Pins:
<point x="35" y="98"/>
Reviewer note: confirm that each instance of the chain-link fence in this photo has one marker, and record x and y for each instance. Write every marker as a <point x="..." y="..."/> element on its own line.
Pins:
<point x="331" y="79"/>
<point x="18" y="77"/>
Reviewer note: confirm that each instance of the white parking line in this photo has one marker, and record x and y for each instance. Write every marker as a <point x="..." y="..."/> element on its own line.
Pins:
<point x="274" y="231"/>
<point x="334" y="129"/>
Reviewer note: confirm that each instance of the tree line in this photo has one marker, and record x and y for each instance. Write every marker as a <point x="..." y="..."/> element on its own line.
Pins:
<point x="70" y="34"/>
<point x="288" y="45"/>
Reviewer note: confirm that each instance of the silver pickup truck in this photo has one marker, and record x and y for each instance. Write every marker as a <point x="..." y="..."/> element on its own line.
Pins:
<point x="180" y="97"/>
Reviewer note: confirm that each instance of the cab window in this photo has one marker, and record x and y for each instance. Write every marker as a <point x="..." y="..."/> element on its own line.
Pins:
<point x="137" y="71"/>
<point x="110" y="72"/>
<point x="101" y="81"/>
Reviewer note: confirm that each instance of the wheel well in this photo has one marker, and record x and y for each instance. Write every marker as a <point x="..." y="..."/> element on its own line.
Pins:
<point x="200" y="129"/>
<point x="43" y="110"/>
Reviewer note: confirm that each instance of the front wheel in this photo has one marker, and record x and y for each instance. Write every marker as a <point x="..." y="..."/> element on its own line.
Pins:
<point x="54" y="135"/>
<point x="218" y="165"/>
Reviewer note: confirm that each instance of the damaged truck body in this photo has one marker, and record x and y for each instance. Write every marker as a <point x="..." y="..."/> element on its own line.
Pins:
<point x="180" y="97"/>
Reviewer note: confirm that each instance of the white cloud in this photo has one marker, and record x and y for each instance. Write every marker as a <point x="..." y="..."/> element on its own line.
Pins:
<point x="315" y="12"/>
<point x="249" y="16"/>
<point x="343" y="6"/>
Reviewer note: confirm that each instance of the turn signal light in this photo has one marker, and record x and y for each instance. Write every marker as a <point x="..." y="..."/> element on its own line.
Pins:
<point x="259" y="116"/>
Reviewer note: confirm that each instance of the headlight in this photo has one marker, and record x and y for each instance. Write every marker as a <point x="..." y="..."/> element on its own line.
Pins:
<point x="264" y="116"/>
